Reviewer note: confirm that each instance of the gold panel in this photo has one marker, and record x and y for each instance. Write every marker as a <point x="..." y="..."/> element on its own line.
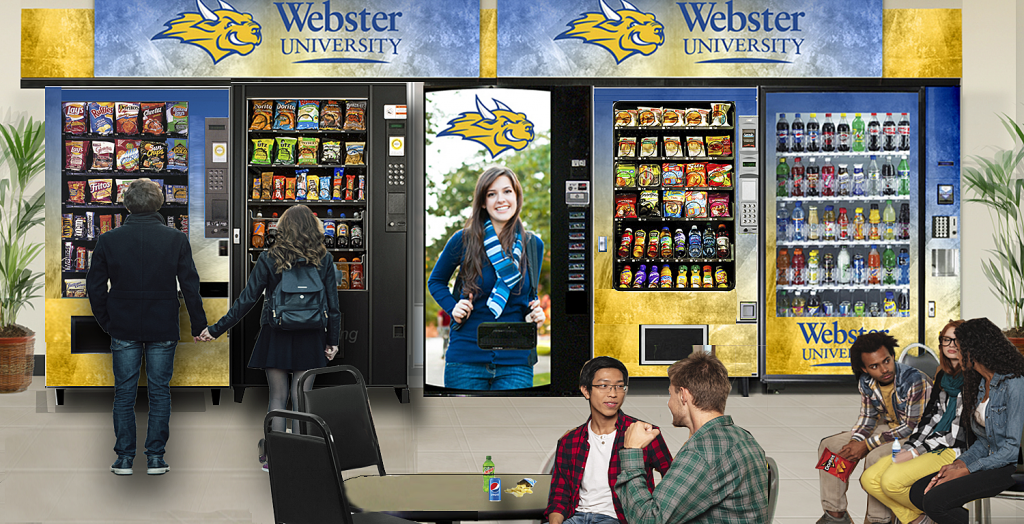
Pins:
<point x="204" y="364"/>
<point x="922" y="43"/>
<point x="57" y="43"/>
<point x="821" y="346"/>
<point x="488" y="43"/>
<point x="735" y="345"/>
<point x="945" y="291"/>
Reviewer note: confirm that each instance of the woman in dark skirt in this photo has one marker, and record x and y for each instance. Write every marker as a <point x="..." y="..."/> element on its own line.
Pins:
<point x="283" y="353"/>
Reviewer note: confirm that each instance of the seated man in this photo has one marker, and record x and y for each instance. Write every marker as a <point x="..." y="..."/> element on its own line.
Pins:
<point x="719" y="476"/>
<point x="587" y="461"/>
<point x="892" y="399"/>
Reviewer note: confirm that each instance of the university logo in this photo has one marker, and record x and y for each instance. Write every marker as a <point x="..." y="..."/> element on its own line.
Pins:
<point x="498" y="129"/>
<point x="221" y="33"/>
<point x="623" y="33"/>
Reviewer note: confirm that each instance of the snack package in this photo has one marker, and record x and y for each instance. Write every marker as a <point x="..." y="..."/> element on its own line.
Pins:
<point x="330" y="116"/>
<point x="261" y="148"/>
<point x="720" y="175"/>
<point x="694" y="146"/>
<point x="672" y="203"/>
<point x="696" y="175"/>
<point x="627" y="147"/>
<point x="625" y="117"/>
<point x="121" y="187"/>
<point x="300" y="184"/>
<point x="266" y="185"/>
<point x="673" y="146"/>
<point x="278" y="193"/>
<point x="102" y="156"/>
<point x="312" y="187"/>
<point x="718" y="204"/>
<point x="177" y="118"/>
<point x="74" y="118"/>
<point x="338" y="186"/>
<point x="354" y="153"/>
<point x="331" y="153"/>
<point x="74" y="288"/>
<point x="309" y="114"/>
<point x="350" y="186"/>
<point x="180" y="194"/>
<point x="152" y="118"/>
<point x="99" y="190"/>
<point x="671" y="117"/>
<point x="79" y="227"/>
<point x="127" y="114"/>
<point x="649" y="175"/>
<point x="289" y="188"/>
<point x="835" y="465"/>
<point x="159" y="182"/>
<point x="719" y="146"/>
<point x="101" y="118"/>
<point x="625" y="175"/>
<point x="355" y="116"/>
<point x="177" y="154"/>
<point x="650" y="206"/>
<point x="261" y="115"/>
<point x="284" y="115"/>
<point x="720" y="114"/>
<point x="523" y="487"/>
<point x="154" y="156"/>
<point x="90" y="226"/>
<point x="648" y="116"/>
<point x="118" y="220"/>
<point x="285" y="150"/>
<point x="75" y="154"/>
<point x="672" y="175"/>
<point x="696" y="204"/>
<point x="67" y="225"/>
<point x="325" y="188"/>
<point x="76" y="191"/>
<point x="649" y="146"/>
<point x="695" y="117"/>
<point x="169" y="194"/>
<point x="625" y="206"/>
<point x="255" y="195"/>
<point x="308" y="148"/>
<point x="126" y="155"/>
<point x="106" y="224"/>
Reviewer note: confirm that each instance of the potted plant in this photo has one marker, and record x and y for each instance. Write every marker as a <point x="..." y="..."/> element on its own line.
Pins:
<point x="23" y="154"/>
<point x="997" y="183"/>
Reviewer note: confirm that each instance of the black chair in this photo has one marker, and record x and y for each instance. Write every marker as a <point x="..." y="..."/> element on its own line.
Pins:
<point x="926" y="360"/>
<point x="773" y="488"/>
<point x="980" y="510"/>
<point x="305" y="480"/>
<point x="346" y="410"/>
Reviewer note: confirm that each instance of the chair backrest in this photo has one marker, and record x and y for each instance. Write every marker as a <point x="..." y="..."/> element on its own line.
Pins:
<point x="346" y="410"/>
<point x="305" y="482"/>
<point x="927" y="361"/>
<point x="773" y="488"/>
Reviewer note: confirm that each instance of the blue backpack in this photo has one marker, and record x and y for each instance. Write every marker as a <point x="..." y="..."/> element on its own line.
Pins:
<point x="300" y="300"/>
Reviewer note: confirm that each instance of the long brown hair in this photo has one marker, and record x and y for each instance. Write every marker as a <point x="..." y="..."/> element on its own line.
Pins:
<point x="944" y="362"/>
<point x="473" y="254"/>
<point x="299" y="235"/>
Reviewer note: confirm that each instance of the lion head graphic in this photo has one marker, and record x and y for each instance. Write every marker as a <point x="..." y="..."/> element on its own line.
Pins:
<point x="622" y="33"/>
<point x="220" y="33"/>
<point x="498" y="129"/>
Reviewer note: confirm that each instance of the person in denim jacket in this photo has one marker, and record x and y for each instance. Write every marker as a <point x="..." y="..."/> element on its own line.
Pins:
<point x="994" y="405"/>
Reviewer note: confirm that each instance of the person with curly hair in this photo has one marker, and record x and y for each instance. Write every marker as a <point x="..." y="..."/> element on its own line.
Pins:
<point x="938" y="440"/>
<point x="993" y="402"/>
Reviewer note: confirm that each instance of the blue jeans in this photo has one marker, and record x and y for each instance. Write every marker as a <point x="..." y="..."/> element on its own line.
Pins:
<point x="464" y="375"/>
<point x="159" y="367"/>
<point x="591" y="518"/>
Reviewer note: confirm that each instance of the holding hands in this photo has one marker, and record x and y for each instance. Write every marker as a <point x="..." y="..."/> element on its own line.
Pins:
<point x="205" y="336"/>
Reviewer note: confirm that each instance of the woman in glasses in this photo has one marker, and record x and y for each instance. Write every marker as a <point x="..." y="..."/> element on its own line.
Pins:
<point x="938" y="440"/>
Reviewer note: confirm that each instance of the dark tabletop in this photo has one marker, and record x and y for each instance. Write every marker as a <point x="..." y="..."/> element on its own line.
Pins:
<point x="447" y="496"/>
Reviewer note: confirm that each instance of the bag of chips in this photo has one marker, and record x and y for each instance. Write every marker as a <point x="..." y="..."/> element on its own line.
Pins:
<point x="673" y="146"/>
<point x="355" y="116"/>
<point x="696" y="175"/>
<point x="835" y="465"/>
<point x="101" y="118"/>
<point x="719" y="146"/>
<point x="154" y="156"/>
<point x="648" y="116"/>
<point x="720" y="114"/>
<point x="300" y="184"/>
<point x="177" y="154"/>
<point x="627" y="146"/>
<point x="720" y="175"/>
<point x="261" y="151"/>
<point x="672" y="203"/>
<point x="152" y="118"/>
<point x="169" y="196"/>
<point x="76" y="191"/>
<point x="312" y="187"/>
<point x="267" y="185"/>
<point x="696" y="204"/>
<point x="100" y="189"/>
<point x="649" y="175"/>
<point x="649" y="204"/>
<point x="181" y="194"/>
<point x="308" y="148"/>
<point x="672" y="175"/>
<point x="177" y="118"/>
<point x="127" y="114"/>
<point x="126" y="155"/>
<point x="289" y="188"/>
<point x="121" y="187"/>
<point x="284" y="118"/>
<point x="694" y="146"/>
<point x="309" y="114"/>
<point x="102" y="156"/>
<point x="331" y="153"/>
<point x="255" y="194"/>
<point x="649" y="146"/>
<point x="74" y="118"/>
<point x="278" y="193"/>
<point x="285" y="150"/>
<point x="75" y="154"/>
<point x="718" y="203"/>
<point x="262" y="112"/>
<point x="671" y="117"/>
<point x="625" y="117"/>
<point x="625" y="175"/>
<point x="325" y="188"/>
<point x="330" y="116"/>
<point x="354" y="153"/>
<point x="625" y="206"/>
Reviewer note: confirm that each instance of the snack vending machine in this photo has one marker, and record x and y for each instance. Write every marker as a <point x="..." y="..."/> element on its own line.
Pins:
<point x="341" y="150"/>
<point x="676" y="196"/>
<point x="861" y="203"/>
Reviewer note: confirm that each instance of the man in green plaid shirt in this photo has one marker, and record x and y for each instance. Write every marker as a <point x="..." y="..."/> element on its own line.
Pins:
<point x="720" y="476"/>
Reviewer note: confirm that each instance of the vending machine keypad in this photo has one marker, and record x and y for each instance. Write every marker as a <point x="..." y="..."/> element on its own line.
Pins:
<point x="396" y="174"/>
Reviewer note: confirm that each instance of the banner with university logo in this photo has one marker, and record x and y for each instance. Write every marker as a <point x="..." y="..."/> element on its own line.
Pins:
<point x="663" y="38"/>
<point x="264" y="38"/>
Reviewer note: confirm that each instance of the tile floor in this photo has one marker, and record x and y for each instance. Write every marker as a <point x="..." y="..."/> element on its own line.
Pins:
<point x="54" y="461"/>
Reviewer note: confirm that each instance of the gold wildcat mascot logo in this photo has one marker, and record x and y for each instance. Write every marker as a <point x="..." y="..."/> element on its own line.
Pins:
<point x="221" y="33"/>
<point x="622" y="33"/>
<point x="498" y="129"/>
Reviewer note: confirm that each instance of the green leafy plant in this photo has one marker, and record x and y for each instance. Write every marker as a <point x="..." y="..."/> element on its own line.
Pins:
<point x="997" y="183"/>
<point x="23" y="154"/>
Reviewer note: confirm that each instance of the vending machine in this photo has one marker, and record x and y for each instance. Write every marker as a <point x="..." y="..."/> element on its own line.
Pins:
<point x="861" y="221"/>
<point x="341" y="150"/>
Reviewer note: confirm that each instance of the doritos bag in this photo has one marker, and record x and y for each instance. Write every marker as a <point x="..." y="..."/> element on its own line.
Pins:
<point x="835" y="465"/>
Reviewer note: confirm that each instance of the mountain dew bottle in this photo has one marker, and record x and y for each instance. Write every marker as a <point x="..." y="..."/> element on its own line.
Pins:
<point x="488" y="473"/>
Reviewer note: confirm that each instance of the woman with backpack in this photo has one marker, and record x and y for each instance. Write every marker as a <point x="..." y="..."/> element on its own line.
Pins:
<point x="496" y="283"/>
<point x="283" y="348"/>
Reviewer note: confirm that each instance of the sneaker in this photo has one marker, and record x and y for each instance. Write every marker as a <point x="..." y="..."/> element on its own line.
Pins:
<point x="266" y="467"/>
<point x="262" y="447"/>
<point x="829" y="519"/>
<point x="155" y="465"/>
<point x="122" y="466"/>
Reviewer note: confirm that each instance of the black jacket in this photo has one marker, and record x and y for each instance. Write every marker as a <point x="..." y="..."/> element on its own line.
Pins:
<point x="145" y="262"/>
<point x="262" y="279"/>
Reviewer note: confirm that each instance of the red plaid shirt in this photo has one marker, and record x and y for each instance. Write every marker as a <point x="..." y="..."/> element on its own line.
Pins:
<point x="571" y="458"/>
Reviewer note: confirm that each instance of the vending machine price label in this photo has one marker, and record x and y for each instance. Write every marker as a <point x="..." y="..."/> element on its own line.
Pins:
<point x="577" y="256"/>
<point x="577" y="236"/>
<point x="577" y="225"/>
<point x="395" y="112"/>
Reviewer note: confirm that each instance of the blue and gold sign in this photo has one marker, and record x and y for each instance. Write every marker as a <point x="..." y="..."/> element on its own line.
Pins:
<point x="498" y="129"/>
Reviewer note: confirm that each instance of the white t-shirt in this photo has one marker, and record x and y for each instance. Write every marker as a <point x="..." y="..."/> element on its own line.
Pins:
<point x="979" y="414"/>
<point x="595" y="493"/>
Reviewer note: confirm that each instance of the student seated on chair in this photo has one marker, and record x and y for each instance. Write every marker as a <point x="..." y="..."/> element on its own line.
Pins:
<point x="587" y="460"/>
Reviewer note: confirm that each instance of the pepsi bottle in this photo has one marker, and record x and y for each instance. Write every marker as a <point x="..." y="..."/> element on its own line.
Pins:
<point x="796" y="133"/>
<point x="828" y="134"/>
<point x="782" y="134"/>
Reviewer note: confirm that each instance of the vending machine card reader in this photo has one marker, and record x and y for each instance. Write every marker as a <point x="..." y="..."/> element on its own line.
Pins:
<point x="216" y="173"/>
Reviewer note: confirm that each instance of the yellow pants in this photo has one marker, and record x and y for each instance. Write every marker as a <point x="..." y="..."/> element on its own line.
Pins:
<point x="890" y="483"/>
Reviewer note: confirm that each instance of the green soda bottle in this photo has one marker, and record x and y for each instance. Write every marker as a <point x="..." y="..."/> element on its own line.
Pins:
<point x="858" y="133"/>
<point x="488" y="473"/>
<point x="782" y="179"/>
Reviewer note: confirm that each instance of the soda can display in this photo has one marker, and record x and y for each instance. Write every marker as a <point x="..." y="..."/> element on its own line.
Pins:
<point x="828" y="309"/>
<point x="844" y="308"/>
<point x="494" y="493"/>
<point x="627" y="240"/>
<point x="638" y="243"/>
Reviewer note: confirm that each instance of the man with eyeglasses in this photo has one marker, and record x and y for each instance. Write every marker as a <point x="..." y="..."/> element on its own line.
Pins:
<point x="587" y="457"/>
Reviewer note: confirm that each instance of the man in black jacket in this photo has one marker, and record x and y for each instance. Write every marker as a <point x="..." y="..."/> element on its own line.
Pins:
<point x="145" y="262"/>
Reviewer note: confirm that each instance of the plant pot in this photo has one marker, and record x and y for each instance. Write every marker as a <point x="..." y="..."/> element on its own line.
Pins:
<point x="17" y="363"/>
<point x="1019" y="342"/>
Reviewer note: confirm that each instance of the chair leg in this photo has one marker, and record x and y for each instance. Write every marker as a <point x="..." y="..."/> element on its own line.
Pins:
<point x="980" y="511"/>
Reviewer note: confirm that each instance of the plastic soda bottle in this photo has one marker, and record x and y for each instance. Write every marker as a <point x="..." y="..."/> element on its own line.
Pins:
<point x="828" y="267"/>
<point x="874" y="178"/>
<point x="843" y="263"/>
<point x="796" y="133"/>
<point x="903" y="177"/>
<point x="843" y="225"/>
<point x="798" y="221"/>
<point x="889" y="266"/>
<point x="874" y="133"/>
<point x="858" y="180"/>
<point x="259" y="230"/>
<point x="799" y="271"/>
<point x="782" y="179"/>
<point x="889" y="133"/>
<point x="782" y="224"/>
<point x="843" y="132"/>
<point x="874" y="266"/>
<point x="842" y="179"/>
<point x="889" y="308"/>
<point x="889" y="220"/>
<point x="796" y="306"/>
<point x="796" y="174"/>
<point x="888" y="178"/>
<point x="638" y="243"/>
<point x="722" y="240"/>
<point x="858" y="133"/>
<point x="653" y="243"/>
<point x="813" y="227"/>
<point x="782" y="305"/>
<point x="782" y="134"/>
<point x="272" y="231"/>
<point x="813" y="275"/>
<point x="903" y="304"/>
<point x="903" y="129"/>
<point x="903" y="265"/>
<point x="625" y="243"/>
<point x="357" y="273"/>
<point x="666" y="243"/>
<point x="828" y="134"/>
<point x="811" y="134"/>
<point x="813" y="179"/>
<point x="782" y="268"/>
<point x="828" y="178"/>
<point x="858" y="223"/>
<point x="813" y="305"/>
<point x="829" y="224"/>
<point x="873" y="221"/>
<point x="488" y="473"/>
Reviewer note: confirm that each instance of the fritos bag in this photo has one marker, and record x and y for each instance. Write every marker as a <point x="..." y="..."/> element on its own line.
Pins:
<point x="835" y="465"/>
